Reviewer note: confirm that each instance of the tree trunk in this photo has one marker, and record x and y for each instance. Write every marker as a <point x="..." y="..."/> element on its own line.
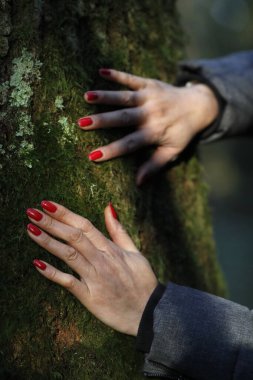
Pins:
<point x="51" y="52"/>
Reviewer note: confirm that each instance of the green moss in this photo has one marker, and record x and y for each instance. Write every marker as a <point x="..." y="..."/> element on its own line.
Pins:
<point x="47" y="334"/>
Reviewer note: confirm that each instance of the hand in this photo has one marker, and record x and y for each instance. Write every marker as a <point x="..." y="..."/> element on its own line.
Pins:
<point x="164" y="115"/>
<point x="115" y="281"/>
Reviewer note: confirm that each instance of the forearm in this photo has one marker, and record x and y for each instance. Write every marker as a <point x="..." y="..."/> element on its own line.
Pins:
<point x="200" y="336"/>
<point x="231" y="79"/>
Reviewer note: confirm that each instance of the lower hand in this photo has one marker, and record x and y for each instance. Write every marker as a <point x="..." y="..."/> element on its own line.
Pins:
<point x="115" y="280"/>
<point x="164" y="115"/>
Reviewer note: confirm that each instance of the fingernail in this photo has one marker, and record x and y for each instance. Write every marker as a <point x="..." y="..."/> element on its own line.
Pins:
<point x="34" y="214"/>
<point x="105" y="72"/>
<point x="48" y="206"/>
<point x="34" y="229"/>
<point x="95" y="155"/>
<point x="39" y="264"/>
<point x="114" y="214"/>
<point x="90" y="95"/>
<point x="85" y="121"/>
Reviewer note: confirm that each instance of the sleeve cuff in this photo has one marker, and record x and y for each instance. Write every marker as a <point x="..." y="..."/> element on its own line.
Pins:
<point x="145" y="332"/>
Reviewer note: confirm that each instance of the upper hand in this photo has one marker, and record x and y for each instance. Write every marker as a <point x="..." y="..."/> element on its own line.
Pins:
<point x="164" y="115"/>
<point x="115" y="280"/>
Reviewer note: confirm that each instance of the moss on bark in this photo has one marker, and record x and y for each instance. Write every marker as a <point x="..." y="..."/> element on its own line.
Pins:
<point x="56" y="49"/>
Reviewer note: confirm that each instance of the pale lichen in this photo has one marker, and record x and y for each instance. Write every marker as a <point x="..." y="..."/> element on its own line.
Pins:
<point x="59" y="103"/>
<point x="25" y="127"/>
<point x="25" y="71"/>
<point x="16" y="95"/>
<point x="68" y="130"/>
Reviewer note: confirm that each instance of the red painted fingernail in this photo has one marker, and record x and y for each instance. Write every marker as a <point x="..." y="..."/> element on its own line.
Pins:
<point x="48" y="206"/>
<point x="34" y="214"/>
<point x="90" y="95"/>
<point x="85" y="121"/>
<point x="95" y="155"/>
<point x="39" y="264"/>
<point x="114" y="214"/>
<point x="34" y="229"/>
<point x="105" y="72"/>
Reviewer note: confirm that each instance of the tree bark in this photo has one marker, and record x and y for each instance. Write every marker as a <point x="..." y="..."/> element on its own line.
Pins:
<point x="51" y="52"/>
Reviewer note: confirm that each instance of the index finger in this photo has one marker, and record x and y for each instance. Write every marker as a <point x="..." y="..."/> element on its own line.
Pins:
<point x="132" y="81"/>
<point x="64" y="215"/>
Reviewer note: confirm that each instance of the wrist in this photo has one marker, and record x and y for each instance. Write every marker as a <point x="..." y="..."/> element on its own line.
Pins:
<point x="208" y="105"/>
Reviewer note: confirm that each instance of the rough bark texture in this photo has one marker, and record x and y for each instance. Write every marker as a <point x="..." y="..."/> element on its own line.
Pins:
<point x="51" y="52"/>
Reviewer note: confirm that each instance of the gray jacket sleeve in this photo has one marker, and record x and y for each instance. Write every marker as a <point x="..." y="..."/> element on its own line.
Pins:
<point x="231" y="77"/>
<point x="199" y="336"/>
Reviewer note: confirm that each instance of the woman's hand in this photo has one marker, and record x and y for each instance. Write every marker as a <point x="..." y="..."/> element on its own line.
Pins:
<point x="164" y="115"/>
<point x="115" y="280"/>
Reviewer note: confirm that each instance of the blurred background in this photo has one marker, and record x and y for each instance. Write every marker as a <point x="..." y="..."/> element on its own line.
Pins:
<point x="215" y="28"/>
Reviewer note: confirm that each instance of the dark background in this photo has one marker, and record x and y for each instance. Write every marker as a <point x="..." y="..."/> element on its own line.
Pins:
<point x="215" y="28"/>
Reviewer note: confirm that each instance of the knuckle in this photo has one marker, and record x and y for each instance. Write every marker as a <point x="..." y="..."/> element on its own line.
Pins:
<point x="127" y="99"/>
<point x="71" y="254"/>
<point x="125" y="117"/>
<point x="86" y="225"/>
<point x="69" y="282"/>
<point x="120" y="229"/>
<point x="157" y="83"/>
<point x="131" y="143"/>
<point x="52" y="275"/>
<point x="45" y="239"/>
<point x="76" y="235"/>
<point x="47" y="222"/>
<point x="62" y="212"/>
<point x="128" y="79"/>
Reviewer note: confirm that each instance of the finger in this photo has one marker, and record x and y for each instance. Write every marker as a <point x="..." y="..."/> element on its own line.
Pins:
<point x="74" y="236"/>
<point x="79" y="289"/>
<point x="121" y="118"/>
<point x="116" y="98"/>
<point x="159" y="159"/>
<point x="64" y="252"/>
<point x="117" y="231"/>
<point x="127" y="144"/>
<point x="68" y="217"/>
<point x="132" y="81"/>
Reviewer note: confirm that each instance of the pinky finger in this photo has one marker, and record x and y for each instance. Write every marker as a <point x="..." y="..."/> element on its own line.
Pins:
<point x="72" y="284"/>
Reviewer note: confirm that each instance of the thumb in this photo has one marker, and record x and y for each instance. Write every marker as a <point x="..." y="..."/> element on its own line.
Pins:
<point x="116" y="230"/>
<point x="159" y="159"/>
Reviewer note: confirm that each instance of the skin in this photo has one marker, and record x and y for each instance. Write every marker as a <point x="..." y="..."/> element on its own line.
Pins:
<point x="165" y="116"/>
<point x="109" y="285"/>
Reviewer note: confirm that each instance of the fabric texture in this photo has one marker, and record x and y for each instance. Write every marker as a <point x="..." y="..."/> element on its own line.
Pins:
<point x="201" y="336"/>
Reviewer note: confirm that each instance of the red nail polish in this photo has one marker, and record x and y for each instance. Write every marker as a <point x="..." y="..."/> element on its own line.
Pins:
<point x="90" y="95"/>
<point x="34" y="214"/>
<point x="114" y="214"/>
<point x="48" y="206"/>
<point x="95" y="155"/>
<point x="105" y="72"/>
<point x="39" y="264"/>
<point x="85" y="121"/>
<point x="34" y="229"/>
